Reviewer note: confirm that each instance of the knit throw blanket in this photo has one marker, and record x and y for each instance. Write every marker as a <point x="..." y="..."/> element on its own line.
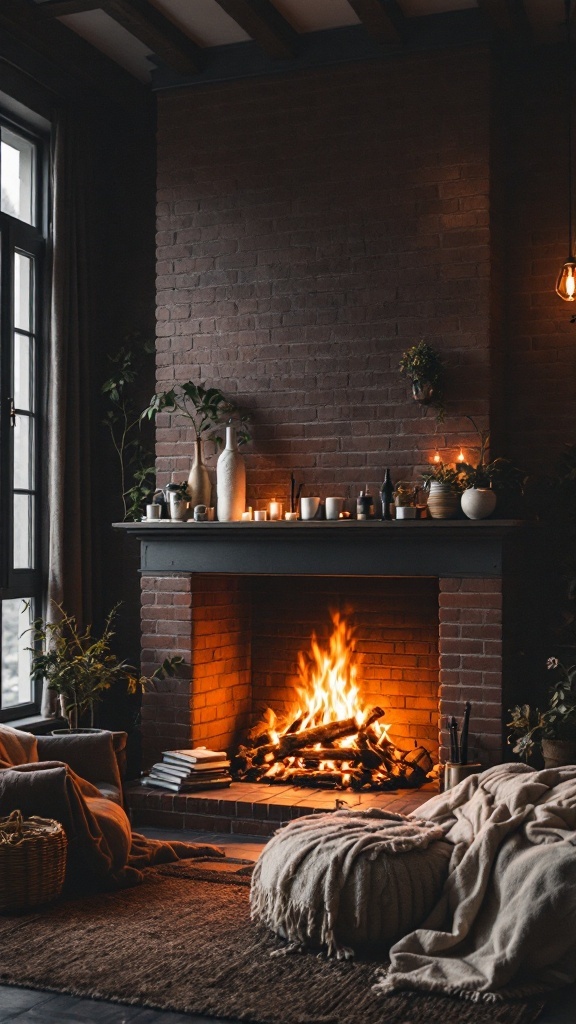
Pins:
<point x="354" y="877"/>
<point x="505" y="924"/>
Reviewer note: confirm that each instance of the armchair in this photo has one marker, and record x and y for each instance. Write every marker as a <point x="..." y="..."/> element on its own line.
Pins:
<point x="76" y="780"/>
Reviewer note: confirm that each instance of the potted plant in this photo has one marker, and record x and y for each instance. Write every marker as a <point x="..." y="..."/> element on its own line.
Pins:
<point x="444" y="486"/>
<point x="207" y="410"/>
<point x="79" y="667"/>
<point x="178" y="498"/>
<point x="483" y="482"/>
<point x="553" y="731"/>
<point x="122" y="420"/>
<point x="424" y="368"/>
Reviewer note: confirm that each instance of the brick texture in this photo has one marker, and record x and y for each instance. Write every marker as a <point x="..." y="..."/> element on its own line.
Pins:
<point x="470" y="648"/>
<point x="309" y="231"/>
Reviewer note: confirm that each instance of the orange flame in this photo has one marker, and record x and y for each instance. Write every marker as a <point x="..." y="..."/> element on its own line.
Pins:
<point x="328" y="691"/>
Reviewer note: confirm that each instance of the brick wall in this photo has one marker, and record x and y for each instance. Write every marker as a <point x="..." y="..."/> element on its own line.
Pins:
<point x="205" y="620"/>
<point x="310" y="229"/>
<point x="471" y="662"/>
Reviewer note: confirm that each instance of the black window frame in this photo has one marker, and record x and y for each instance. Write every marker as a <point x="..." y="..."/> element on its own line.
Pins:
<point x="30" y="240"/>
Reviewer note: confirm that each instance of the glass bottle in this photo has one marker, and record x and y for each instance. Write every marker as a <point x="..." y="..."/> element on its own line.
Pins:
<point x="387" y="494"/>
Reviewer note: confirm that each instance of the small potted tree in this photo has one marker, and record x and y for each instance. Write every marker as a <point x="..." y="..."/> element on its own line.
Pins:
<point x="483" y="482"/>
<point x="444" y="486"/>
<point x="79" y="667"/>
<point x="207" y="410"/>
<point x="552" y="731"/>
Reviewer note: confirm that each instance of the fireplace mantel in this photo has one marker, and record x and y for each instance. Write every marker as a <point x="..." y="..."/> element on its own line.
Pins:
<point x="455" y="548"/>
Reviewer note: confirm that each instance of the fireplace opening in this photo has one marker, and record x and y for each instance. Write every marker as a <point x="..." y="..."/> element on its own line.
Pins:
<point x="330" y="740"/>
<point x="245" y="637"/>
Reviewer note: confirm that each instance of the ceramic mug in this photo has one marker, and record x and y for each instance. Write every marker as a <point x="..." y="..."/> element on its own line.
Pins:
<point x="334" y="507"/>
<point x="309" y="507"/>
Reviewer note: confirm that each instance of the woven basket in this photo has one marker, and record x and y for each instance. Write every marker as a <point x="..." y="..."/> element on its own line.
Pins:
<point x="32" y="861"/>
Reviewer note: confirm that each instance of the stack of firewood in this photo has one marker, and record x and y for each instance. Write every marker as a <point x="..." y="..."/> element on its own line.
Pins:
<point x="310" y="757"/>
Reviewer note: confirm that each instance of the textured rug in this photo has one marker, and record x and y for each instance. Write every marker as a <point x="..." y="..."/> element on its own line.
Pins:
<point x="183" y="941"/>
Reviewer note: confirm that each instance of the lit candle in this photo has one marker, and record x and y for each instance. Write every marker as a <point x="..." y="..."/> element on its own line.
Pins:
<point x="290" y="517"/>
<point x="460" y="457"/>
<point x="275" y="509"/>
<point x="260" y="515"/>
<point x="247" y="516"/>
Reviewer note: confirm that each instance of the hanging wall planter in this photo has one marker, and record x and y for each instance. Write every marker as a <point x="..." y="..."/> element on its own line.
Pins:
<point x="425" y="369"/>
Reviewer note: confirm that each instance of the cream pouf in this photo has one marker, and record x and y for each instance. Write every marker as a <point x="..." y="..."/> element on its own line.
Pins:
<point x="345" y="880"/>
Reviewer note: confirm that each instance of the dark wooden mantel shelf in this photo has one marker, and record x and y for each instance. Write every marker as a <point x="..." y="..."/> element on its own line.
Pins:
<point x="434" y="547"/>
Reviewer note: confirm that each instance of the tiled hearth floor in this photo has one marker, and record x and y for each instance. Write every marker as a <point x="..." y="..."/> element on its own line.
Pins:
<point x="255" y="809"/>
<point x="27" y="1005"/>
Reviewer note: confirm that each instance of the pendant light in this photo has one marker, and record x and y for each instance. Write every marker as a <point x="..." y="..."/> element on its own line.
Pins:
<point x="566" y="283"/>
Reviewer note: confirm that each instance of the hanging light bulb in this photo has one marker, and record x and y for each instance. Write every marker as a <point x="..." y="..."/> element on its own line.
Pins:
<point x="437" y="456"/>
<point x="566" y="283"/>
<point x="461" y="457"/>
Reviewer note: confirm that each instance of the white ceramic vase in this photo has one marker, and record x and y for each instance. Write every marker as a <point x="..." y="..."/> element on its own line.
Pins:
<point x="478" y="502"/>
<point x="230" y="481"/>
<point x="199" y="485"/>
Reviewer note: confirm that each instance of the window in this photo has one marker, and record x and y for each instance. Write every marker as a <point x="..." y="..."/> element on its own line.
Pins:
<point x="22" y="245"/>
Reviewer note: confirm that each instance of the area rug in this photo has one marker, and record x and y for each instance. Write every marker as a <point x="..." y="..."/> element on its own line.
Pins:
<point x="183" y="941"/>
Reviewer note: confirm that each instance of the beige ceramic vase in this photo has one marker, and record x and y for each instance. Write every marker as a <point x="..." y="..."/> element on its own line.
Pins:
<point x="443" y="500"/>
<point x="199" y="485"/>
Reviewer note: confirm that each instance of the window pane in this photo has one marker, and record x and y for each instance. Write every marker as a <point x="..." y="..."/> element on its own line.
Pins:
<point x="22" y="292"/>
<point x="22" y="372"/>
<point x="23" y="531"/>
<point x="17" y="178"/>
<point x="23" y="463"/>
<point x="16" y="684"/>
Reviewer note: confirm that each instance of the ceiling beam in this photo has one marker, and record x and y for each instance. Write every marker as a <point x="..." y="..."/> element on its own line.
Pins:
<point x="67" y="59"/>
<point x="509" y="18"/>
<point x="60" y="8"/>
<point x="174" y="47"/>
<point x="265" y="25"/>
<point x="383" y="19"/>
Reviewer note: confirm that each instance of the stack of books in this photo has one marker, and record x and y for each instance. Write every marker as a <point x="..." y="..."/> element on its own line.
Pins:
<point x="185" y="771"/>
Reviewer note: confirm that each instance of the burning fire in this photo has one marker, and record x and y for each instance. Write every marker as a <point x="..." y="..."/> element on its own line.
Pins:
<point x="328" y="690"/>
<point x="330" y="740"/>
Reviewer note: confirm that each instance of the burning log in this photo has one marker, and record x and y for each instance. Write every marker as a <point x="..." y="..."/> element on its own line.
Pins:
<point x="317" y="734"/>
<point x="327" y="754"/>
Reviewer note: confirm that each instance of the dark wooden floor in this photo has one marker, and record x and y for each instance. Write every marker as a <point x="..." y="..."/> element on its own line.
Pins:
<point x="22" y="1004"/>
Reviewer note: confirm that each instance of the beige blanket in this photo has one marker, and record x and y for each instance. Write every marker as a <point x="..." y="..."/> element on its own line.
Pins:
<point x="505" y="924"/>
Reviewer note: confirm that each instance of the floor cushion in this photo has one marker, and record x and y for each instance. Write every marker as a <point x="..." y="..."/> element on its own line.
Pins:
<point x="346" y="880"/>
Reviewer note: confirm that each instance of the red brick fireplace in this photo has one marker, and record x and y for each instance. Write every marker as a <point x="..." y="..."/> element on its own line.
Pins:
<point x="311" y="228"/>
<point x="436" y="606"/>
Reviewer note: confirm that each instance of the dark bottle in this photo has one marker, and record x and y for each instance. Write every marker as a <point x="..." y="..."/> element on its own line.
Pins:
<point x="387" y="493"/>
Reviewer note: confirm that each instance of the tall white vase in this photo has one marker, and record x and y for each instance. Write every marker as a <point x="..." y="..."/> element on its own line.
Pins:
<point x="199" y="486"/>
<point x="230" y="481"/>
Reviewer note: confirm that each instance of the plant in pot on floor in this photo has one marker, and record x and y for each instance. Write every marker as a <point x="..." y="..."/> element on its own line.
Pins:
<point x="208" y="411"/>
<point x="485" y="483"/>
<point x="551" y="732"/>
<point x="79" y="667"/>
<point x="424" y="368"/>
<point x="444" y="486"/>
